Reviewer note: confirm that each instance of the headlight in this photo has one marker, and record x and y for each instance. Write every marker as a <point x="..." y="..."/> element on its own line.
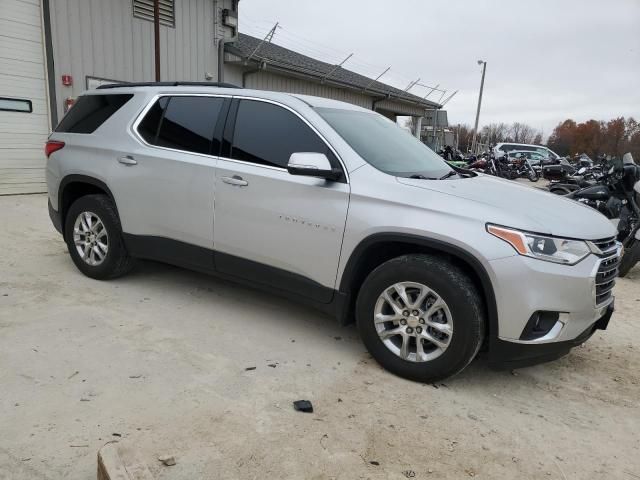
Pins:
<point x="549" y="249"/>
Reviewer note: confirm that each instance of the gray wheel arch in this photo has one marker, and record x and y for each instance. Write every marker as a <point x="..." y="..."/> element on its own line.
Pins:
<point x="365" y="257"/>
<point x="74" y="186"/>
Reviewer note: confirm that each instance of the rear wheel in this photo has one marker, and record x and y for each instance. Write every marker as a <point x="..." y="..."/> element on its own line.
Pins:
<point x="94" y="238"/>
<point x="420" y="317"/>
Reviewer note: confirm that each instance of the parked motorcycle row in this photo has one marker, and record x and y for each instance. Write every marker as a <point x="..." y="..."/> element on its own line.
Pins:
<point x="512" y="165"/>
<point x="609" y="185"/>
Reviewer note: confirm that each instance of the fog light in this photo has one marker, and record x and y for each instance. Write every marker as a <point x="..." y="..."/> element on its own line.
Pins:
<point x="540" y="323"/>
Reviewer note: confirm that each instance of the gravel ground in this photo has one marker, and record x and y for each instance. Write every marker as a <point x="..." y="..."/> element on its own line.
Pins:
<point x="160" y="358"/>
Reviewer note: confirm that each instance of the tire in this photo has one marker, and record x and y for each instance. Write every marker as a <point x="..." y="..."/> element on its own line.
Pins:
<point x="465" y="307"/>
<point x="116" y="261"/>
<point x="533" y="176"/>
<point x="629" y="259"/>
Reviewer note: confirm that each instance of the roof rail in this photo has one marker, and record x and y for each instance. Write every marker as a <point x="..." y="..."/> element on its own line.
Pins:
<point x="167" y="84"/>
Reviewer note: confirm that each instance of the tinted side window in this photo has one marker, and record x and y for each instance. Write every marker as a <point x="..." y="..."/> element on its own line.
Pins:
<point x="268" y="134"/>
<point x="189" y="123"/>
<point x="148" y="127"/>
<point x="91" y="111"/>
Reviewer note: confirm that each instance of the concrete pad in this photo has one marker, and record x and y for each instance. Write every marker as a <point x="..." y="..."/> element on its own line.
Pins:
<point x="161" y="358"/>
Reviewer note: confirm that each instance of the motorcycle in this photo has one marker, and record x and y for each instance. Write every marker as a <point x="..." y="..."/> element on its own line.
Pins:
<point x="582" y="178"/>
<point x="523" y="169"/>
<point x="617" y="196"/>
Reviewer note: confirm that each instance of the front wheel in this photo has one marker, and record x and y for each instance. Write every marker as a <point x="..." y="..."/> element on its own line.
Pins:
<point x="533" y="176"/>
<point x="421" y="317"/>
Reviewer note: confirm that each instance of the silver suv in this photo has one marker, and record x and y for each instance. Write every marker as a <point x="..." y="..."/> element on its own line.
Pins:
<point x="335" y="206"/>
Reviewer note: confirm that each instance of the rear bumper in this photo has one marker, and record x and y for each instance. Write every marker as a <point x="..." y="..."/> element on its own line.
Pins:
<point x="508" y="355"/>
<point x="55" y="218"/>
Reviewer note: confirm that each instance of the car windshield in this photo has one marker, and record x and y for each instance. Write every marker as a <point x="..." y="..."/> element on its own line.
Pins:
<point x="386" y="146"/>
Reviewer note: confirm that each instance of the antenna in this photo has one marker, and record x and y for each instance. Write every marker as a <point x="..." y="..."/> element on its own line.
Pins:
<point x="411" y="85"/>
<point x="335" y="68"/>
<point x="267" y="38"/>
<point x="448" y="98"/>
<point x="376" y="79"/>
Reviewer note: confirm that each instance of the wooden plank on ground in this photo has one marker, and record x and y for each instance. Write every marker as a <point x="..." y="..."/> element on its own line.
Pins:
<point x="119" y="461"/>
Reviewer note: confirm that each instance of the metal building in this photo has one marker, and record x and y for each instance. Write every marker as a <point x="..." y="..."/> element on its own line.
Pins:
<point x="53" y="50"/>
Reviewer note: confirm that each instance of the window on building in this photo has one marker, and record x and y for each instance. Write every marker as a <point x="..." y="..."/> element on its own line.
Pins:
<point x="15" y="105"/>
<point x="91" y="111"/>
<point x="144" y="9"/>
<point x="268" y="134"/>
<point x="188" y="124"/>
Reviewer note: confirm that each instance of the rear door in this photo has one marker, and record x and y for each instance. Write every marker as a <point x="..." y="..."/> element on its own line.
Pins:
<point x="165" y="187"/>
<point x="272" y="227"/>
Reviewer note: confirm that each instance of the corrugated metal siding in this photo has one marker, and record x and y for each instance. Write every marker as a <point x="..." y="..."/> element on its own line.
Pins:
<point x="101" y="38"/>
<point x="233" y="74"/>
<point x="400" y="108"/>
<point x="22" y="76"/>
<point x="266" y="80"/>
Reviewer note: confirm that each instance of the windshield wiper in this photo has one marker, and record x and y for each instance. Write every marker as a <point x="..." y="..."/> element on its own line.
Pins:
<point x="421" y="177"/>
<point x="448" y="174"/>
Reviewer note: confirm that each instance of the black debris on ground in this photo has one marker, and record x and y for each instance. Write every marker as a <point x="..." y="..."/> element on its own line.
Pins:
<point x="303" y="406"/>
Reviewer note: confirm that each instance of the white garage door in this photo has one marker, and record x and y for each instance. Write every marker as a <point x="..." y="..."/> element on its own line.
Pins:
<point x="22" y="88"/>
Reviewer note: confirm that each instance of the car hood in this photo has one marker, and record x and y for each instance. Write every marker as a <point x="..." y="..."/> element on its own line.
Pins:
<point x="536" y="210"/>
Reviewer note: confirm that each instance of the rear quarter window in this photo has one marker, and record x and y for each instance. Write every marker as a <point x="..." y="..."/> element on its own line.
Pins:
<point x="91" y="111"/>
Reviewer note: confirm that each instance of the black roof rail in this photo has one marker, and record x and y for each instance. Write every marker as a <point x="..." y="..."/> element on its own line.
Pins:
<point x="167" y="84"/>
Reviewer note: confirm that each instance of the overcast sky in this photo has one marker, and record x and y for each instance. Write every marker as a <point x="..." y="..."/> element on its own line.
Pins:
<point x="547" y="60"/>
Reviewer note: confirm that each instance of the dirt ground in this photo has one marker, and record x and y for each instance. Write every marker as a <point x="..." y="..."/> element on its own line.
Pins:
<point x="160" y="357"/>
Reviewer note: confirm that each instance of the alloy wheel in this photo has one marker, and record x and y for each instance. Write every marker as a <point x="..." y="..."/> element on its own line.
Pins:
<point x="90" y="238"/>
<point x="413" y="321"/>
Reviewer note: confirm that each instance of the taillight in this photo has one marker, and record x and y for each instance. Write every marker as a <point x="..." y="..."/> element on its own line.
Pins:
<point x="52" y="146"/>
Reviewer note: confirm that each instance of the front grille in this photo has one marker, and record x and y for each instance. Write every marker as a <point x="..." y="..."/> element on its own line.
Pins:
<point x="607" y="270"/>
<point x="608" y="246"/>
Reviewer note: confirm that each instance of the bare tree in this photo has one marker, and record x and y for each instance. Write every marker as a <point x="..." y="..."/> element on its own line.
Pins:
<point x="494" y="132"/>
<point x="410" y="123"/>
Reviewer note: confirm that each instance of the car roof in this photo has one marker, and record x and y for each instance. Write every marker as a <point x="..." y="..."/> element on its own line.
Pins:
<point x="202" y="88"/>
<point x="521" y="144"/>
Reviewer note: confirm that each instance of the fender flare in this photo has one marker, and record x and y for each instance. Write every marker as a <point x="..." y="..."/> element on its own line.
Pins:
<point x="76" y="178"/>
<point x="476" y="266"/>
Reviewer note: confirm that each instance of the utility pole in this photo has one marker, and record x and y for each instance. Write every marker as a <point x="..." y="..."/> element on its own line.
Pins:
<point x="156" y="36"/>
<point x="475" y="129"/>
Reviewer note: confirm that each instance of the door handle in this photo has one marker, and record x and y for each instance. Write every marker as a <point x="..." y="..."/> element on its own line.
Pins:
<point x="127" y="160"/>
<point x="236" y="181"/>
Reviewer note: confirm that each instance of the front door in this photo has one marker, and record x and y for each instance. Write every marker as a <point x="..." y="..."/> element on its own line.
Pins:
<point x="271" y="227"/>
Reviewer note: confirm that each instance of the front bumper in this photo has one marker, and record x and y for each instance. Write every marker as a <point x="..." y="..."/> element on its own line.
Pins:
<point x="524" y="287"/>
<point x="509" y="355"/>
